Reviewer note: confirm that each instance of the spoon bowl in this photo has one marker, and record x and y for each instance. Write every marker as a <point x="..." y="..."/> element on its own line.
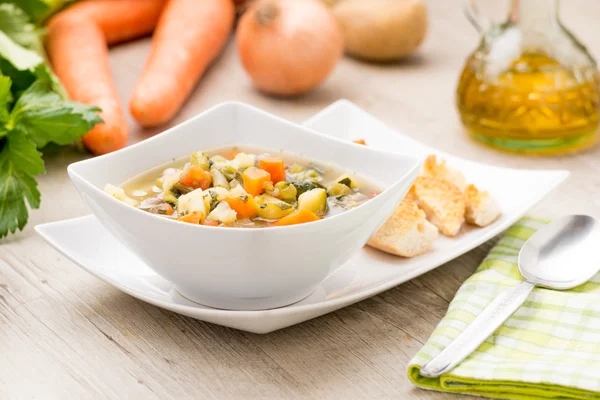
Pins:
<point x="563" y="254"/>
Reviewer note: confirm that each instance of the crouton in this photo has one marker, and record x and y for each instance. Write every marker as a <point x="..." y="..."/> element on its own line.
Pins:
<point x="481" y="209"/>
<point x="443" y="203"/>
<point x="407" y="233"/>
<point x="432" y="168"/>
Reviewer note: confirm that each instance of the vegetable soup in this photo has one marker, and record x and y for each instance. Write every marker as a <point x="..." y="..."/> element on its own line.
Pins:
<point x="244" y="188"/>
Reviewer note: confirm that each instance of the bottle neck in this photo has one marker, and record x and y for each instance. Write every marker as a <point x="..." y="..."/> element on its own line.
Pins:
<point x="534" y="15"/>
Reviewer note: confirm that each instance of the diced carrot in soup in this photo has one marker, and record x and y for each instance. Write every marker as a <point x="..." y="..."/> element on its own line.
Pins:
<point x="211" y="223"/>
<point x="195" y="217"/>
<point x="254" y="180"/>
<point x="196" y="177"/>
<point x="275" y="167"/>
<point x="360" y="141"/>
<point x="245" y="207"/>
<point x="298" y="217"/>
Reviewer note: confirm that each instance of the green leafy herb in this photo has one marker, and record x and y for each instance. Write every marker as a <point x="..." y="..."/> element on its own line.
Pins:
<point x="34" y="112"/>
<point x="15" y="24"/>
<point x="46" y="117"/>
<point x="20" y="162"/>
<point x="38" y="10"/>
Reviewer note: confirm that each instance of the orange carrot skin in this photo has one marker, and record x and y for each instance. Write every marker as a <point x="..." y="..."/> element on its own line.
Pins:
<point x="79" y="55"/>
<point x="77" y="43"/>
<point x="189" y="35"/>
<point x="119" y="20"/>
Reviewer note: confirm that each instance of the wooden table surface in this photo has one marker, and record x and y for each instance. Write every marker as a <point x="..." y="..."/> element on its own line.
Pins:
<point x="65" y="334"/>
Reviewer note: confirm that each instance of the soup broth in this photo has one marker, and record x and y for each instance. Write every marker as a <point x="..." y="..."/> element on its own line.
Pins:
<point x="245" y="187"/>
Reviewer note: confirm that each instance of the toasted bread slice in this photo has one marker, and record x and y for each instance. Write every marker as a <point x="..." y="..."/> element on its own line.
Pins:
<point x="406" y="233"/>
<point x="482" y="209"/>
<point x="443" y="203"/>
<point x="432" y="168"/>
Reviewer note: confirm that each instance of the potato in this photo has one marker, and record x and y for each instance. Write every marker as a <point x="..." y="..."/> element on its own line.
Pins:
<point x="382" y="30"/>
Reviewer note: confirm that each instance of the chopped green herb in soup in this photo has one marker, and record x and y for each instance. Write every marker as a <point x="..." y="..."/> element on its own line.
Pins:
<point x="243" y="189"/>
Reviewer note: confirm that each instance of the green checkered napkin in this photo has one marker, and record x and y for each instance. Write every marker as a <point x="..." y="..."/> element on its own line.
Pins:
<point x="549" y="349"/>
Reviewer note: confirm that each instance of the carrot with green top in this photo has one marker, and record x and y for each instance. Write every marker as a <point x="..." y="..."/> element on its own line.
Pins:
<point x="188" y="37"/>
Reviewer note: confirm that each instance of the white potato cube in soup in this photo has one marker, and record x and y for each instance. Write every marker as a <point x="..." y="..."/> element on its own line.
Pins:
<point x="245" y="160"/>
<point x="223" y="213"/>
<point x="191" y="202"/>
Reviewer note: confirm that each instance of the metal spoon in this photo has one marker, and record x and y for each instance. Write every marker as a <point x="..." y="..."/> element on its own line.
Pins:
<point x="561" y="255"/>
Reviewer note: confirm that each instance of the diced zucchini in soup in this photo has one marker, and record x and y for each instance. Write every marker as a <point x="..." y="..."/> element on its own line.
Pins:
<point x="310" y="186"/>
<point x="230" y="172"/>
<point x="348" y="180"/>
<point x="271" y="208"/>
<point x="314" y="200"/>
<point x="339" y="189"/>
<point x="287" y="191"/>
<point x="201" y="159"/>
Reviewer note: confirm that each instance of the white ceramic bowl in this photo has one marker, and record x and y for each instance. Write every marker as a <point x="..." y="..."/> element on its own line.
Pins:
<point x="237" y="268"/>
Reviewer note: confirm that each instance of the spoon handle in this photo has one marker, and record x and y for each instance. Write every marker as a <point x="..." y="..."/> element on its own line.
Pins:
<point x="479" y="330"/>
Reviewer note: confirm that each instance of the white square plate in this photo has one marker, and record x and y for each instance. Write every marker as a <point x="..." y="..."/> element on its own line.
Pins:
<point x="370" y="272"/>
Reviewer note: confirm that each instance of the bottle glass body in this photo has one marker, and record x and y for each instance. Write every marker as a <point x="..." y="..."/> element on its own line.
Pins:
<point x="530" y="86"/>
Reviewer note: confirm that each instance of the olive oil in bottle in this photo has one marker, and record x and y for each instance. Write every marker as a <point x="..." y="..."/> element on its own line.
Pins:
<point x="531" y="87"/>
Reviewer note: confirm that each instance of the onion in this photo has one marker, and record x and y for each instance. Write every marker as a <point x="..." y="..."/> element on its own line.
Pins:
<point x="289" y="47"/>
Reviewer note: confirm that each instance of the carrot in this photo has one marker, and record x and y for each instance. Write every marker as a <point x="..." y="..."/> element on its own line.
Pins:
<point x="188" y="37"/>
<point x="79" y="56"/>
<point x="77" y="43"/>
<point x="298" y="217"/>
<point x="195" y="217"/>
<point x="119" y="20"/>
<point x="211" y="223"/>
<point x="244" y="207"/>
<point x="274" y="166"/>
<point x="360" y="141"/>
<point x="254" y="180"/>
<point x="196" y="177"/>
